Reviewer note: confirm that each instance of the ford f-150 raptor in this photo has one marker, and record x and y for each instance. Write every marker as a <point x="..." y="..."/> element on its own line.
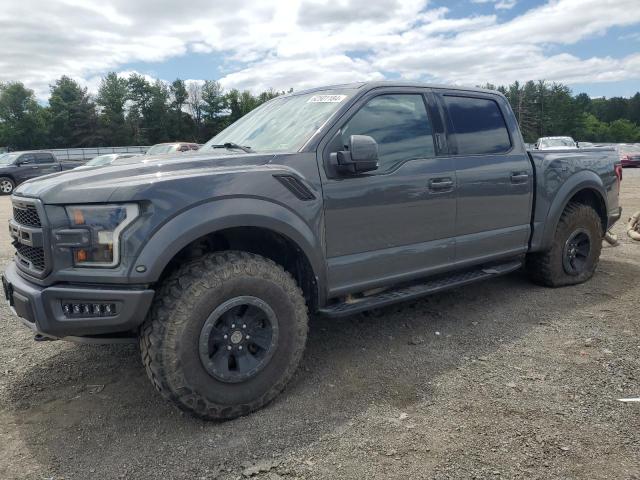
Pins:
<point x="329" y="202"/>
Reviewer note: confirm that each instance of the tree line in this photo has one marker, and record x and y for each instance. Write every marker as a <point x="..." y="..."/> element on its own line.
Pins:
<point x="124" y="111"/>
<point x="550" y="109"/>
<point x="136" y="111"/>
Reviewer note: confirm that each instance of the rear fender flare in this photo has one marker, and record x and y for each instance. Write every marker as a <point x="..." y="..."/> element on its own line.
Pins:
<point x="584" y="180"/>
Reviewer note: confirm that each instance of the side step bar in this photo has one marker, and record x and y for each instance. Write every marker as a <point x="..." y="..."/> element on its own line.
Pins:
<point x="413" y="291"/>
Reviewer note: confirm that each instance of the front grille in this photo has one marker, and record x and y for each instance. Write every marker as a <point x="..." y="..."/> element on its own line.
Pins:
<point x="29" y="237"/>
<point x="26" y="215"/>
<point x="34" y="256"/>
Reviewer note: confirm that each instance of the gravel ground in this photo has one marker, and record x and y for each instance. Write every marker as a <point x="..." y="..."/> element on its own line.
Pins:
<point x="500" y="379"/>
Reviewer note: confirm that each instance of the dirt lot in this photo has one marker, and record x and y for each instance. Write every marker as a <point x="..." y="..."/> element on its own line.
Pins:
<point x="497" y="380"/>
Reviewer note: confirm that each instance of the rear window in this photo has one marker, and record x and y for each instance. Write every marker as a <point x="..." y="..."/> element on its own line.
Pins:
<point x="478" y="125"/>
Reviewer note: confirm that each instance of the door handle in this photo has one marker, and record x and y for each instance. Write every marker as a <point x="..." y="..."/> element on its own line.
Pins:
<point x="440" y="184"/>
<point x="519" y="177"/>
<point x="35" y="167"/>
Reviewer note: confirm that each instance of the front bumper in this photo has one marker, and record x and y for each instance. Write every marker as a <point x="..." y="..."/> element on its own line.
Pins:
<point x="41" y="308"/>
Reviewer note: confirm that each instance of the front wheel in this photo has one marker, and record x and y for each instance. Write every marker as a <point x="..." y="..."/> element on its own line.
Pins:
<point x="225" y="334"/>
<point x="575" y="252"/>
<point x="6" y="185"/>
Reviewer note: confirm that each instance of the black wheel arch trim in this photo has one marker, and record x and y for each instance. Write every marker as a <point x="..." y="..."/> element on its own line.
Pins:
<point x="208" y="218"/>
<point x="546" y="218"/>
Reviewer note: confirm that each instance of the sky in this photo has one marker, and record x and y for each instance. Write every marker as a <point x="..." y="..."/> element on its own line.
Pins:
<point x="592" y="45"/>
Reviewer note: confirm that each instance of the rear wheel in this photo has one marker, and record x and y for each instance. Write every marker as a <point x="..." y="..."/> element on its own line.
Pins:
<point x="225" y="334"/>
<point x="6" y="186"/>
<point x="575" y="252"/>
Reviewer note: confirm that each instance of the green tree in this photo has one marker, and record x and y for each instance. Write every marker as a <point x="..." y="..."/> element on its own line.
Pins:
<point x="139" y="97"/>
<point x="23" y="123"/>
<point x="182" y="124"/>
<point x="195" y="104"/>
<point x="112" y="98"/>
<point x="214" y="106"/>
<point x="73" y="115"/>
<point x="623" y="131"/>
<point x="156" y="116"/>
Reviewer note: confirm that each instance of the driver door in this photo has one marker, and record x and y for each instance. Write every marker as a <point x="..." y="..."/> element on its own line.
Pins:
<point x="397" y="222"/>
<point x="28" y="167"/>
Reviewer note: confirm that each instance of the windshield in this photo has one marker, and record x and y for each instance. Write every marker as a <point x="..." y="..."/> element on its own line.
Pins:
<point x="8" y="158"/>
<point x="160" y="149"/>
<point x="282" y="125"/>
<point x="100" y="160"/>
<point x="557" y="142"/>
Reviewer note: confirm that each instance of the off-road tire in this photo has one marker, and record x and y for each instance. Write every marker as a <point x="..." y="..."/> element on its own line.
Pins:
<point x="9" y="182"/>
<point x="169" y="336"/>
<point x="546" y="268"/>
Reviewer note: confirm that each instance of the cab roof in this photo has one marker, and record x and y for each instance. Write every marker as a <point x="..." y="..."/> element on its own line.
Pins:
<point x="365" y="86"/>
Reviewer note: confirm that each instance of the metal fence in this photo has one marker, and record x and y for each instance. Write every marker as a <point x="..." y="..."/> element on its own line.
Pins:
<point x="86" y="154"/>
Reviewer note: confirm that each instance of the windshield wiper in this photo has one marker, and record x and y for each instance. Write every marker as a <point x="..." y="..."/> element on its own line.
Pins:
<point x="235" y="146"/>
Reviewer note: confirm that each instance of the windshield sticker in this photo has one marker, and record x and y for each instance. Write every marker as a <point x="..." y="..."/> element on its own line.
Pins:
<point x="326" y="99"/>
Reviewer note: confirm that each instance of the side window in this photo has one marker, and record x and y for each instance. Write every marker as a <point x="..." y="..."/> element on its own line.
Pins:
<point x="26" y="158"/>
<point x="44" y="158"/>
<point x="398" y="123"/>
<point x="478" y="124"/>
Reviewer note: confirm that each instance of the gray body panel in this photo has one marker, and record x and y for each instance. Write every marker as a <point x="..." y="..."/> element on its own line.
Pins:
<point x="357" y="232"/>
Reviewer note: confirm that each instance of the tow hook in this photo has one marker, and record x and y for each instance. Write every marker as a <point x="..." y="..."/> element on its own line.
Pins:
<point x="38" y="337"/>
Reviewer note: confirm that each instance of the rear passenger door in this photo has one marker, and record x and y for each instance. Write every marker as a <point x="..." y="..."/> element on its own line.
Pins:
<point x="494" y="175"/>
<point x="46" y="163"/>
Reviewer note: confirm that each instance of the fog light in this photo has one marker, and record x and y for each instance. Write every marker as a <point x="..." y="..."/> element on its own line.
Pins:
<point x="91" y="309"/>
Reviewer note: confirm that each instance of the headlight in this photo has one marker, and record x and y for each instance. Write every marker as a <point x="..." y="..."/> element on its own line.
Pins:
<point x="104" y="223"/>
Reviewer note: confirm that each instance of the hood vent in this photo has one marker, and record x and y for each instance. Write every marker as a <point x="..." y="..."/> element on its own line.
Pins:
<point x="296" y="187"/>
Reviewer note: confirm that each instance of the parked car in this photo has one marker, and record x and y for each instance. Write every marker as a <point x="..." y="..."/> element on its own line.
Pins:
<point x="330" y="201"/>
<point x="107" y="159"/>
<point x="629" y="154"/>
<point x="165" y="148"/>
<point x="555" y="143"/>
<point x="17" y="167"/>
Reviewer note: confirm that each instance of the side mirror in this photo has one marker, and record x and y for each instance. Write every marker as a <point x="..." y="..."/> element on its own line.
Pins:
<point x="362" y="155"/>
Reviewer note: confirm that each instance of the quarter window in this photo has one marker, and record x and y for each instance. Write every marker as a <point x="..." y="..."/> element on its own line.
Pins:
<point x="44" y="158"/>
<point x="478" y="125"/>
<point x="398" y="123"/>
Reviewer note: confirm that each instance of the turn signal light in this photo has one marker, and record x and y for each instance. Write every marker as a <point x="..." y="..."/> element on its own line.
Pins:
<point x="89" y="309"/>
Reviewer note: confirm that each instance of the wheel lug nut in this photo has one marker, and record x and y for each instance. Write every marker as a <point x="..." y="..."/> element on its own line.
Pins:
<point x="225" y="336"/>
<point x="229" y="347"/>
<point x="233" y="325"/>
<point x="240" y="347"/>
<point x="244" y="326"/>
<point x="248" y="337"/>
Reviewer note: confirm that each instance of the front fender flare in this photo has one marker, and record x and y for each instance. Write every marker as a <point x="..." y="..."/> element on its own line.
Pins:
<point x="221" y="214"/>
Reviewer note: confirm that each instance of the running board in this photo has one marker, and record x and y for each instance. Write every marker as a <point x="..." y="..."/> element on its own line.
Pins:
<point x="418" y="290"/>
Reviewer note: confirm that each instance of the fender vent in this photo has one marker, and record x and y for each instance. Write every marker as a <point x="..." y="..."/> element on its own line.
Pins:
<point x="296" y="187"/>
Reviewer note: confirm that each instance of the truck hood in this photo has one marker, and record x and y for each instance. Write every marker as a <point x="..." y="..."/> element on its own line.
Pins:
<point x="103" y="184"/>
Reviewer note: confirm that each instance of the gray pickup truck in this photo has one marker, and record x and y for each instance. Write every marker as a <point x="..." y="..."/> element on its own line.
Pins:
<point x="329" y="202"/>
<point x="18" y="167"/>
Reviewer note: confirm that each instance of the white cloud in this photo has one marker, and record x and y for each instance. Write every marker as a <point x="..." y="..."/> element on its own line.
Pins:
<point x="301" y="43"/>
<point x="499" y="4"/>
<point x="506" y="4"/>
